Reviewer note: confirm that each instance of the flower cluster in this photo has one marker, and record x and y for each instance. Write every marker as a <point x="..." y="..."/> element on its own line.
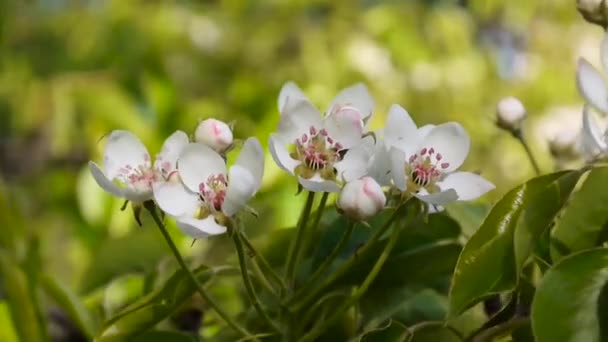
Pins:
<point x="333" y="152"/>
<point x="189" y="180"/>
<point x="594" y="90"/>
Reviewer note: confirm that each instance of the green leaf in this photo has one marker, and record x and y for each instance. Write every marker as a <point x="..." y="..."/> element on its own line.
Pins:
<point x="139" y="251"/>
<point x="584" y="218"/>
<point x="492" y="258"/>
<point x="157" y="306"/>
<point x="469" y="215"/>
<point x="391" y="331"/>
<point x="22" y="309"/>
<point x="150" y="336"/>
<point x="432" y="332"/>
<point x="71" y="304"/>
<point x="571" y="302"/>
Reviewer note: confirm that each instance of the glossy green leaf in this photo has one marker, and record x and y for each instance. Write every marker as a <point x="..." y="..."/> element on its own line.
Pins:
<point x="137" y="252"/>
<point x="22" y="309"/>
<point x="571" y="302"/>
<point x="432" y="332"/>
<point x="71" y="304"/>
<point x="492" y="258"/>
<point x="585" y="218"/>
<point x="156" y="306"/>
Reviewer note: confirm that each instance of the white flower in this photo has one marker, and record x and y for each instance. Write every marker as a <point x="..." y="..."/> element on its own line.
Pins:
<point x="352" y="101"/>
<point x="591" y="83"/>
<point x="361" y="198"/>
<point x="127" y="162"/>
<point x="324" y="150"/>
<point x="214" y="133"/>
<point x="593" y="138"/>
<point x="424" y="161"/>
<point x="208" y="195"/>
<point x="510" y="112"/>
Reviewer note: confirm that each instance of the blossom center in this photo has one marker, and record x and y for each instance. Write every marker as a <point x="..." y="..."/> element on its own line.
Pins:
<point x="318" y="152"/>
<point x="424" y="169"/>
<point x="139" y="177"/>
<point x="212" y="192"/>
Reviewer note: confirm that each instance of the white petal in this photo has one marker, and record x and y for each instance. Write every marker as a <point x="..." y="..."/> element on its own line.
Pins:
<point x="398" y="168"/>
<point x="593" y="139"/>
<point x="439" y="198"/>
<point x="356" y="96"/>
<point x="318" y="184"/>
<point x="290" y="91"/>
<point x="197" y="229"/>
<point x="166" y="160"/>
<point x="424" y="131"/>
<point x="251" y="158"/>
<point x="344" y="127"/>
<point x="297" y="118"/>
<point x="104" y="182"/>
<point x="452" y="141"/>
<point x="124" y="149"/>
<point x="197" y="162"/>
<point x="379" y="165"/>
<point x="400" y="130"/>
<point x="604" y="52"/>
<point x="354" y="165"/>
<point x="279" y="153"/>
<point x="241" y="187"/>
<point x="592" y="86"/>
<point x="468" y="185"/>
<point x="174" y="199"/>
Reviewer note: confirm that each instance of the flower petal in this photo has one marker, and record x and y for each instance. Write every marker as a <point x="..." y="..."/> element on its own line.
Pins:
<point x="401" y="131"/>
<point x="592" y="138"/>
<point x="197" y="162"/>
<point x="592" y="86"/>
<point x="197" y="229"/>
<point x="439" y="198"/>
<point x="354" y="165"/>
<point x="124" y="149"/>
<point x="379" y="165"/>
<point x="318" y="184"/>
<point x="344" y="127"/>
<point x="398" y="168"/>
<point x="468" y="185"/>
<point x="104" y="182"/>
<point x="356" y="96"/>
<point x="298" y="116"/>
<point x="242" y="185"/>
<point x="604" y="52"/>
<point x="279" y="153"/>
<point x="251" y="158"/>
<point x="166" y="160"/>
<point x="452" y="141"/>
<point x="424" y="131"/>
<point x="290" y="92"/>
<point x="174" y="199"/>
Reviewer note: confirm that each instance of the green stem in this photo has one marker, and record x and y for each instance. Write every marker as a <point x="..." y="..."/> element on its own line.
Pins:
<point x="520" y="137"/>
<point x="337" y="314"/>
<point x="320" y="210"/>
<point x="347" y="265"/>
<point x="248" y="286"/>
<point x="263" y="262"/>
<point x="329" y="260"/>
<point x="152" y="209"/>
<point x="296" y="245"/>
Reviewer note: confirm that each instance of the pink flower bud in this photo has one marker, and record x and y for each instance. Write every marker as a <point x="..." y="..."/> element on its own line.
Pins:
<point x="214" y="133"/>
<point x="361" y="199"/>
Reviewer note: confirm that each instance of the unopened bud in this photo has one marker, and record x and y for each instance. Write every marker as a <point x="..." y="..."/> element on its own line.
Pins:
<point x="594" y="11"/>
<point x="510" y="113"/>
<point x="361" y="199"/>
<point x="564" y="145"/>
<point x="214" y="133"/>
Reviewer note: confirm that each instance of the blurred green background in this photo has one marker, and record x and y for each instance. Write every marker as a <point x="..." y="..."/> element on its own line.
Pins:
<point x="71" y="71"/>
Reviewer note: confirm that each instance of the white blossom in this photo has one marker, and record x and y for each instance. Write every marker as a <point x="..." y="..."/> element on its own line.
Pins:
<point x="215" y="134"/>
<point x="591" y="84"/>
<point x="361" y="199"/>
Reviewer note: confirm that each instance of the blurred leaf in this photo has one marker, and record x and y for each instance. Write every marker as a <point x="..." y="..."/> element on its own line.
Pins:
<point x="432" y="332"/>
<point x="71" y="304"/>
<point x="150" y="336"/>
<point x="492" y="258"/>
<point x="139" y="251"/>
<point x="23" y="310"/>
<point x="571" y="302"/>
<point x="469" y="215"/>
<point x="392" y="331"/>
<point x="157" y="306"/>
<point x="585" y="216"/>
